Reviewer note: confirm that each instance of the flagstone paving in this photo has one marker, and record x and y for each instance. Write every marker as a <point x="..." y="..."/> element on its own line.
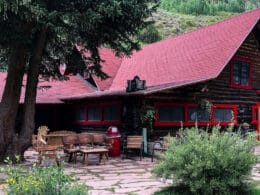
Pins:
<point x="117" y="176"/>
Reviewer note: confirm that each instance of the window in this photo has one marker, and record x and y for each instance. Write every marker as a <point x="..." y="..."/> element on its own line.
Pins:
<point x="172" y="114"/>
<point x="79" y="114"/>
<point x="93" y="113"/>
<point x="241" y="73"/>
<point x="111" y="113"/>
<point x="102" y="113"/>
<point x="223" y="114"/>
<point x="197" y="114"/>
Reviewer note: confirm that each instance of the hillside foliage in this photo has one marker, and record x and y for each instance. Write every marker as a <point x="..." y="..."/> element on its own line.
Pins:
<point x="208" y="7"/>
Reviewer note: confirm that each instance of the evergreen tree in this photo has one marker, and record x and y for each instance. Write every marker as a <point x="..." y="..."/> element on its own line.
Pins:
<point x="38" y="35"/>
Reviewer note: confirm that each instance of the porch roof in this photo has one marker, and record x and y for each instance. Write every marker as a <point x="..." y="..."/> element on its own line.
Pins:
<point x="51" y="92"/>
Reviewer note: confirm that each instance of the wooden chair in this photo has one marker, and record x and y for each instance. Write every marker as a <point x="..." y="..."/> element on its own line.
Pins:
<point x="161" y="146"/>
<point x="85" y="140"/>
<point x="44" y="150"/>
<point x="100" y="140"/>
<point x="42" y="132"/>
<point x="133" y="143"/>
<point x="70" y="144"/>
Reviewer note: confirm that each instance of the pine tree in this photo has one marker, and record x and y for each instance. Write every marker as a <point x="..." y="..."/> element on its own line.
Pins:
<point x="38" y="35"/>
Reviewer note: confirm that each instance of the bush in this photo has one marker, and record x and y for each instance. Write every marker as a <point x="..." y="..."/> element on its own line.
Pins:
<point x="149" y="34"/>
<point x="41" y="180"/>
<point x="203" y="163"/>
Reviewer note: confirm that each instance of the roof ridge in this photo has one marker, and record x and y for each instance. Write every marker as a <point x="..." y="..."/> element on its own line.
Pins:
<point x="122" y="58"/>
<point x="87" y="83"/>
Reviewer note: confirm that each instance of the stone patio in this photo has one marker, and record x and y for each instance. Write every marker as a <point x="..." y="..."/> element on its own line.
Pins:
<point x="117" y="176"/>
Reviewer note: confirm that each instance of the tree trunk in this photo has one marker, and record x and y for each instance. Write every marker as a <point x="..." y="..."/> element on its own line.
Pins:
<point x="28" y="124"/>
<point x="10" y="101"/>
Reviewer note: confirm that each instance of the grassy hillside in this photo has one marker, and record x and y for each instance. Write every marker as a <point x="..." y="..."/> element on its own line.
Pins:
<point x="179" y="16"/>
<point x="168" y="23"/>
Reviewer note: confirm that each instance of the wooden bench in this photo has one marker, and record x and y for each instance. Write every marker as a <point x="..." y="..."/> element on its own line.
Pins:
<point x="133" y="142"/>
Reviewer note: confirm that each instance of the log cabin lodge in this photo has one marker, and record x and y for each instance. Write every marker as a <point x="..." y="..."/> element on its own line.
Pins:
<point x="210" y="76"/>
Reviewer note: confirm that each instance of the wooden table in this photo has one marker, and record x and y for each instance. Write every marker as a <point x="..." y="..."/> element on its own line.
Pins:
<point x="102" y="152"/>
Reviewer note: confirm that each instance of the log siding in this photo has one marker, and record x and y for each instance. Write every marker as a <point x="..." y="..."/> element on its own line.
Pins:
<point x="218" y="91"/>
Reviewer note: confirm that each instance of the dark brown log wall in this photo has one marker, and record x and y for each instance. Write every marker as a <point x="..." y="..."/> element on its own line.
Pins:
<point x="219" y="90"/>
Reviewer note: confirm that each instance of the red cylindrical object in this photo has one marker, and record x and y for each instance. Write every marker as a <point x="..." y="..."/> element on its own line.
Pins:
<point x="114" y="134"/>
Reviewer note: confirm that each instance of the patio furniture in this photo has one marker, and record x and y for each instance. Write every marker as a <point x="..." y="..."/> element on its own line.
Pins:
<point x="133" y="143"/>
<point x="160" y="145"/>
<point x="70" y="144"/>
<point x="74" y="144"/>
<point x="100" y="139"/>
<point x="102" y="152"/>
<point x="42" y="132"/>
<point x="55" y="137"/>
<point x="85" y="140"/>
<point x="44" y="151"/>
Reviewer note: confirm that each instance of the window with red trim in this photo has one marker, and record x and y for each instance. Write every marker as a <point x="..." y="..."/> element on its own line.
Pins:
<point x="241" y="74"/>
<point x="111" y="113"/>
<point x="103" y="113"/>
<point x="79" y="114"/>
<point x="198" y="114"/>
<point x="172" y="114"/>
<point x="94" y="113"/>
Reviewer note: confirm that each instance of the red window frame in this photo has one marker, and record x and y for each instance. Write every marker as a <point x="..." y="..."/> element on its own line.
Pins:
<point x="186" y="122"/>
<point x="254" y="114"/>
<point x="100" y="114"/>
<point x="234" y="85"/>
<point x="192" y="123"/>
<point x="101" y="117"/>
<point x="175" y="123"/>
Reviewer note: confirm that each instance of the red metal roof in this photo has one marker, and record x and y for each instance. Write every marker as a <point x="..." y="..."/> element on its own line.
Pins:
<point x="189" y="58"/>
<point x="110" y="66"/>
<point x="186" y="59"/>
<point x="200" y="54"/>
<point x="51" y="92"/>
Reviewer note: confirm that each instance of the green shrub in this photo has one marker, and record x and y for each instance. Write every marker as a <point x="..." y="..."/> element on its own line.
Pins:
<point x="203" y="163"/>
<point x="40" y="181"/>
<point x="149" y="34"/>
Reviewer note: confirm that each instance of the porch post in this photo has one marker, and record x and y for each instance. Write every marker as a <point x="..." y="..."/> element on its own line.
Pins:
<point x="258" y="123"/>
